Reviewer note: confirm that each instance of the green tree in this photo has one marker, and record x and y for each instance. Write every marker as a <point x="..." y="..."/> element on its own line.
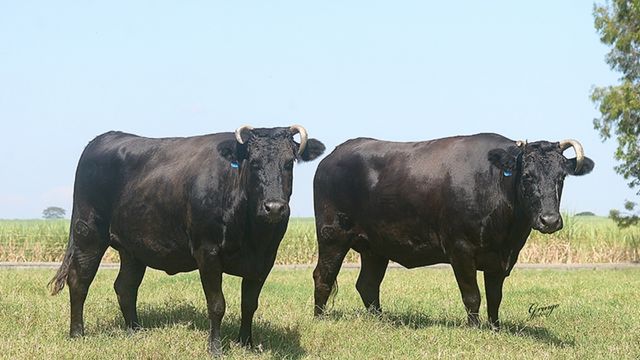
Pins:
<point x="618" y="24"/>
<point x="53" y="212"/>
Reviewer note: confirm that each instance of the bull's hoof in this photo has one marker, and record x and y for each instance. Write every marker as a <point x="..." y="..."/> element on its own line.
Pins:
<point x="494" y="326"/>
<point x="215" y="348"/>
<point x="473" y="320"/>
<point x="375" y="310"/>
<point x="134" y="329"/>
<point x="76" y="332"/>
<point x="245" y="341"/>
<point x="318" y="311"/>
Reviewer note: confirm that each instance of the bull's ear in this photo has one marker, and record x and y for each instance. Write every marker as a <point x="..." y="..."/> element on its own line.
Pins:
<point x="503" y="159"/>
<point x="587" y="166"/>
<point x="232" y="150"/>
<point x="313" y="149"/>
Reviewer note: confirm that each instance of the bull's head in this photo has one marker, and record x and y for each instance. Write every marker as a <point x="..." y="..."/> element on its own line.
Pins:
<point x="264" y="158"/>
<point x="539" y="169"/>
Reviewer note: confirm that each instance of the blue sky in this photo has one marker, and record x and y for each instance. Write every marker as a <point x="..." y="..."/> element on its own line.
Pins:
<point x="396" y="70"/>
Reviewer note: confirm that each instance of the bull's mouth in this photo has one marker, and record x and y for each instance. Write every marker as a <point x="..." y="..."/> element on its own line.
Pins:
<point x="274" y="219"/>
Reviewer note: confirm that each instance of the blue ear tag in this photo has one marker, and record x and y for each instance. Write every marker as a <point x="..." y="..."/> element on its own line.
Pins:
<point x="507" y="173"/>
<point x="235" y="165"/>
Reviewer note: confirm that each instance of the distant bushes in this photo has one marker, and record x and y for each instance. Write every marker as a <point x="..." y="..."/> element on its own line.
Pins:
<point x="585" y="213"/>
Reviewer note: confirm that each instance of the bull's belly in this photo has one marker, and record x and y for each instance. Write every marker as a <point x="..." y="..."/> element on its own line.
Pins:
<point x="173" y="263"/>
<point x="423" y="257"/>
<point x="412" y="252"/>
<point x="171" y="255"/>
<point x="407" y="251"/>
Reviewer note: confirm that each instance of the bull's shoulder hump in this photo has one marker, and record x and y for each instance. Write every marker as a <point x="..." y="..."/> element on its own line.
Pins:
<point x="111" y="135"/>
<point x="491" y="137"/>
<point x="356" y="141"/>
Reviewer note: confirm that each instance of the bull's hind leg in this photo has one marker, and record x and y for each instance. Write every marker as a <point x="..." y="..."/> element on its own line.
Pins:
<point x="126" y="286"/>
<point x="333" y="245"/>
<point x="371" y="274"/>
<point x="90" y="241"/>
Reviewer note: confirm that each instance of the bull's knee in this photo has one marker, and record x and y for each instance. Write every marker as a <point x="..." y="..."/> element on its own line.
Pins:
<point x="362" y="286"/>
<point x="217" y="310"/>
<point x="119" y="286"/>
<point x="472" y="302"/>
<point x="321" y="285"/>
<point x="316" y="275"/>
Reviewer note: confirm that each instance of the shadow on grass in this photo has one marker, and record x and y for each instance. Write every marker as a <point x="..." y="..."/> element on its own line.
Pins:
<point x="415" y="320"/>
<point x="536" y="332"/>
<point x="283" y="342"/>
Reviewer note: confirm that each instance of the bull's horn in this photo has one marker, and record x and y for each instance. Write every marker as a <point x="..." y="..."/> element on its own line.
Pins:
<point x="240" y="130"/>
<point x="565" y="144"/>
<point x="520" y="143"/>
<point x="298" y="129"/>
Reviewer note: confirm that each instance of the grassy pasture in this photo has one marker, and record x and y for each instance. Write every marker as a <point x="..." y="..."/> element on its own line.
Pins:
<point x="582" y="240"/>
<point x="597" y="317"/>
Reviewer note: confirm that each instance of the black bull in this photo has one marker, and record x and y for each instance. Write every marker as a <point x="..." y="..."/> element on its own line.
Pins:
<point x="217" y="203"/>
<point x="470" y="201"/>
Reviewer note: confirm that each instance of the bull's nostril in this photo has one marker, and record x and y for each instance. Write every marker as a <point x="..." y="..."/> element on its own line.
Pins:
<point x="267" y="207"/>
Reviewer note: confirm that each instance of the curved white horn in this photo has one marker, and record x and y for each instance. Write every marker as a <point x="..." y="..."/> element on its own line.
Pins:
<point x="240" y="130"/>
<point x="298" y="129"/>
<point x="565" y="144"/>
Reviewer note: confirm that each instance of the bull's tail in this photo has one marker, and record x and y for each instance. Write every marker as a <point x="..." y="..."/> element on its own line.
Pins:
<point x="57" y="282"/>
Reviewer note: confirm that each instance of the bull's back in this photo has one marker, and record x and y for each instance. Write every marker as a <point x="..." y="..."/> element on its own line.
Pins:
<point x="115" y="162"/>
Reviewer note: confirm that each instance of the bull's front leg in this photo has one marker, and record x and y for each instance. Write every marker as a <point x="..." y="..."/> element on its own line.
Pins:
<point x="250" y="292"/>
<point x="493" y="286"/>
<point x="210" y="268"/>
<point x="465" y="270"/>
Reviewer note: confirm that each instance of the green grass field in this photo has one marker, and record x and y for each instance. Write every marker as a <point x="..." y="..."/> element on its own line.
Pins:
<point x="597" y="317"/>
<point x="582" y="240"/>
